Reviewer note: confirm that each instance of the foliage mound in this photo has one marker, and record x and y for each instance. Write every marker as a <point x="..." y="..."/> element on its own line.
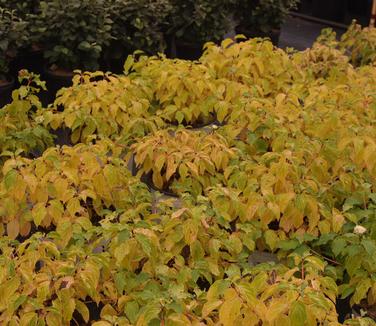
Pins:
<point x="273" y="216"/>
<point x="21" y="130"/>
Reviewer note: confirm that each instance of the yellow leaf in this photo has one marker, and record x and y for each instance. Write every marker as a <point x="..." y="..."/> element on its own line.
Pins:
<point x="30" y="318"/>
<point x="53" y="319"/>
<point x="101" y="323"/>
<point x="279" y="100"/>
<point x="210" y="306"/>
<point x="193" y="168"/>
<point x="283" y="200"/>
<point x="190" y="231"/>
<point x="372" y="295"/>
<point x="229" y="311"/>
<point x="159" y="163"/>
<point x="39" y="212"/>
<point x="171" y="167"/>
<point x="338" y="220"/>
<point x="83" y="310"/>
<point x="108" y="310"/>
<point x="157" y="180"/>
<point x="179" y="213"/>
<point x="74" y="206"/>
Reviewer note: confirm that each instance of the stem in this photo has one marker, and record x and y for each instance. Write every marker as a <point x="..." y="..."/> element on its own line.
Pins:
<point x="326" y="258"/>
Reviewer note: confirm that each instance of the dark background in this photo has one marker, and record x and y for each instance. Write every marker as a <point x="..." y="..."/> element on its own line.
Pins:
<point x="340" y="11"/>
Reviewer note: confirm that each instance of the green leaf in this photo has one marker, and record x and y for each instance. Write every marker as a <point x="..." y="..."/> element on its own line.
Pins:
<point x="338" y="245"/>
<point x="361" y="290"/>
<point x="20" y="301"/>
<point x="271" y="239"/>
<point x="128" y="64"/>
<point x="298" y="314"/>
<point x="217" y="289"/>
<point x="353" y="264"/>
<point x="39" y="212"/>
<point x="10" y="179"/>
<point x="131" y="310"/>
<point x="179" y="116"/>
<point x="345" y="290"/>
<point x="149" y="312"/>
<point x="7" y="289"/>
<point x="288" y="244"/>
<point x="370" y="246"/>
<point x="145" y="243"/>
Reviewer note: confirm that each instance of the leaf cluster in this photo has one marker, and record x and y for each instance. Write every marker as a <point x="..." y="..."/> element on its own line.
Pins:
<point x="199" y="21"/>
<point x="104" y="105"/>
<point x="21" y="132"/>
<point x="13" y="36"/>
<point x="84" y="29"/>
<point x="357" y="43"/>
<point x="65" y="185"/>
<point x="261" y="15"/>
<point x="275" y="216"/>
<point x="191" y="159"/>
<point x="139" y="25"/>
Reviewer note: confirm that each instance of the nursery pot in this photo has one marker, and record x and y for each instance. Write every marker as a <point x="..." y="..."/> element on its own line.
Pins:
<point x="55" y="80"/>
<point x="274" y="34"/>
<point x="188" y="51"/>
<point x="32" y="60"/>
<point x="333" y="10"/>
<point x="113" y="58"/>
<point x="116" y="65"/>
<point x="6" y="88"/>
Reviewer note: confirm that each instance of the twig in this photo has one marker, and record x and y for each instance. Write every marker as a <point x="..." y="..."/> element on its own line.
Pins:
<point x="326" y="258"/>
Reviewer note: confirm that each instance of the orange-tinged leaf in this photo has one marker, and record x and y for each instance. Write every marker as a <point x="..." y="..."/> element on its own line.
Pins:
<point x="25" y="228"/>
<point x="338" y="220"/>
<point x="13" y="228"/>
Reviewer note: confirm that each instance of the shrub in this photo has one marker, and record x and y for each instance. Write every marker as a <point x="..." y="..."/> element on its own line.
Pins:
<point x="358" y="43"/>
<point x="185" y="156"/>
<point x="74" y="33"/>
<point x="139" y="25"/>
<point x="112" y="106"/>
<point x="20" y="132"/>
<point x="65" y="185"/>
<point x="23" y="8"/>
<point x="13" y="36"/>
<point x="197" y="97"/>
<point x="265" y="70"/>
<point x="261" y="16"/>
<point x="322" y="61"/>
<point x="275" y="217"/>
<point x="199" y="21"/>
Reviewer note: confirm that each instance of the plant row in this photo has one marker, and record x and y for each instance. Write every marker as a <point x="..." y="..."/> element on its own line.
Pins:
<point x="251" y="198"/>
<point x="81" y="35"/>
